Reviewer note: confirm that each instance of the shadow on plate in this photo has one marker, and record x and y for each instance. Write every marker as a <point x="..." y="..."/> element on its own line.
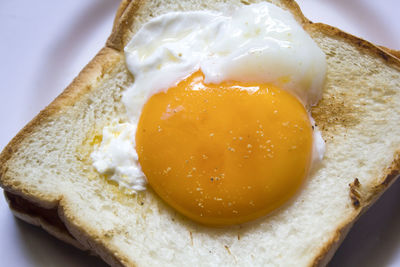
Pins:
<point x="43" y="249"/>
<point x="374" y="239"/>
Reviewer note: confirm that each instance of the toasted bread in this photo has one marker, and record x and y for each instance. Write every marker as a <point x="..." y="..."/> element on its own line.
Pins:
<point x="49" y="180"/>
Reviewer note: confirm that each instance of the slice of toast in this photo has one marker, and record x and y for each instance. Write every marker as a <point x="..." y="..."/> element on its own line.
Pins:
<point x="49" y="180"/>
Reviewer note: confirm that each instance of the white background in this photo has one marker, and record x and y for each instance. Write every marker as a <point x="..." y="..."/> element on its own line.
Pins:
<point x="45" y="43"/>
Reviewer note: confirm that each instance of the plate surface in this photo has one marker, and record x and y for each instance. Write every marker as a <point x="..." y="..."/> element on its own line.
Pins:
<point x="44" y="44"/>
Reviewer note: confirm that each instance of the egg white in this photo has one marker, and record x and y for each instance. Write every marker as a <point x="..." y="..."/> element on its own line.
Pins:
<point x="256" y="43"/>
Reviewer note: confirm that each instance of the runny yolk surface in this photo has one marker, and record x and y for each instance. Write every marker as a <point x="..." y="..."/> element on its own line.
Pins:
<point x="223" y="154"/>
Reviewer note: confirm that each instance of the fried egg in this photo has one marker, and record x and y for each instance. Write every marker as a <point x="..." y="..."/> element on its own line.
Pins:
<point x="218" y="114"/>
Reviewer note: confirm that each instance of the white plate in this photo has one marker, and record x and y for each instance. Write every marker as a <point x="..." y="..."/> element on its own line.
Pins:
<point x="45" y="43"/>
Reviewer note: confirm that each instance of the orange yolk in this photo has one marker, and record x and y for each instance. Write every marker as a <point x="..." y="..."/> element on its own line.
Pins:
<point x="227" y="153"/>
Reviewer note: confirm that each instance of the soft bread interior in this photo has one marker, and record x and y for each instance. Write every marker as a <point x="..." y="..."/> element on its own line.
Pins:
<point x="48" y="163"/>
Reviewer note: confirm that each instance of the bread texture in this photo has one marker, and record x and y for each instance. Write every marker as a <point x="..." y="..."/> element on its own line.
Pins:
<point x="48" y="177"/>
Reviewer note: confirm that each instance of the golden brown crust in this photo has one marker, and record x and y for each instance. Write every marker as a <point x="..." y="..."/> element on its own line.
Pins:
<point x="295" y="9"/>
<point x="327" y="252"/>
<point x="96" y="68"/>
<point x="22" y="205"/>
<point x="89" y="238"/>
<point x="101" y="64"/>
<point x="121" y="30"/>
<point x="361" y="44"/>
<point x="121" y="9"/>
<point x="47" y="219"/>
<point x="395" y="53"/>
<point x="387" y="179"/>
<point x="55" y="220"/>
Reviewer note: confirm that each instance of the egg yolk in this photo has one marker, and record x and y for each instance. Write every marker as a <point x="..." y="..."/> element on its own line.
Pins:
<point x="224" y="153"/>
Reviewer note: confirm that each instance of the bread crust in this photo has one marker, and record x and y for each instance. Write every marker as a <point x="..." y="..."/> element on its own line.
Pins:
<point x="391" y="174"/>
<point x="103" y="62"/>
<point x="393" y="52"/>
<point x="328" y="251"/>
<point x="121" y="26"/>
<point x="47" y="219"/>
<point x="361" y="44"/>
